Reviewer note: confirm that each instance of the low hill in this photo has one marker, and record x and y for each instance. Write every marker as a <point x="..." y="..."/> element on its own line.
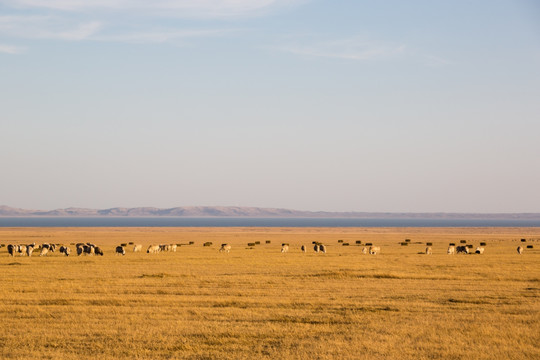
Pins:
<point x="239" y="211"/>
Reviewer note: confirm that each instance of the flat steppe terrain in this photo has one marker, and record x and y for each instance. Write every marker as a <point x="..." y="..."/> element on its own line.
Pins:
<point x="198" y="303"/>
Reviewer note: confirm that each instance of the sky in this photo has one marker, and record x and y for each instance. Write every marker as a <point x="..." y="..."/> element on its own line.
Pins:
<point x="349" y="105"/>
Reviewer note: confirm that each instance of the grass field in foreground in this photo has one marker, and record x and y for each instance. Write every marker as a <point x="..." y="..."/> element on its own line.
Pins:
<point x="260" y="303"/>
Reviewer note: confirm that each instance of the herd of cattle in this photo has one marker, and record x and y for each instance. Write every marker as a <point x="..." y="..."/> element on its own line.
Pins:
<point x="82" y="249"/>
<point x="91" y="249"/>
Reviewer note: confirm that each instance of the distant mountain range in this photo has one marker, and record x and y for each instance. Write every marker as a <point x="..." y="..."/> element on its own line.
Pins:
<point x="238" y="211"/>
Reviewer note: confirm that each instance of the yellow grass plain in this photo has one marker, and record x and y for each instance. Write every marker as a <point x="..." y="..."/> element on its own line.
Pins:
<point x="260" y="303"/>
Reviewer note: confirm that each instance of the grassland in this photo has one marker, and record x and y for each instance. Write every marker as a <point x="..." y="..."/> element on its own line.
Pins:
<point x="198" y="303"/>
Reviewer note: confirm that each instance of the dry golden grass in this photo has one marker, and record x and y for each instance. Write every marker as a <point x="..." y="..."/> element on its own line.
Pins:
<point x="198" y="303"/>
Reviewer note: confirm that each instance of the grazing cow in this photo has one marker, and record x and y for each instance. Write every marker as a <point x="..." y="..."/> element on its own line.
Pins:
<point x="462" y="249"/>
<point x="89" y="249"/>
<point x="80" y="249"/>
<point x="165" y="247"/>
<point x="303" y="248"/>
<point x="479" y="250"/>
<point x="225" y="247"/>
<point x="30" y="249"/>
<point x="173" y="247"/>
<point x="153" y="249"/>
<point x="520" y="250"/>
<point x="451" y="250"/>
<point x="98" y="251"/>
<point x="22" y="249"/>
<point x="137" y="248"/>
<point x="316" y="248"/>
<point x="284" y="248"/>
<point x="364" y="250"/>
<point x="373" y="250"/>
<point x="65" y="250"/>
<point x="12" y="249"/>
<point x="120" y="250"/>
<point x="429" y="251"/>
<point x="322" y="248"/>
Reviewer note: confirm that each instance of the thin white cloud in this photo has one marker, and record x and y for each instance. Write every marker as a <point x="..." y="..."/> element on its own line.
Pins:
<point x="350" y="49"/>
<point x="47" y="27"/>
<point x="10" y="49"/>
<point x="187" y="8"/>
<point x="161" y="36"/>
<point x="81" y="32"/>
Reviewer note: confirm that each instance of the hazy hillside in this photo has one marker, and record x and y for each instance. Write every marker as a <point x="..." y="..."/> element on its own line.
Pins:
<point x="236" y="211"/>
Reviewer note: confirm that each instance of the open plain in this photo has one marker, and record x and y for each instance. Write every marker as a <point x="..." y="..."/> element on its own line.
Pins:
<point x="256" y="302"/>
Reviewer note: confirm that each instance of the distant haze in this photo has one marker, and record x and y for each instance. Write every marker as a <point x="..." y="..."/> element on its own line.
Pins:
<point x="347" y="106"/>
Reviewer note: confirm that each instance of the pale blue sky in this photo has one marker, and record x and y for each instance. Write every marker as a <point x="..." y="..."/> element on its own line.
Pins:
<point x="312" y="105"/>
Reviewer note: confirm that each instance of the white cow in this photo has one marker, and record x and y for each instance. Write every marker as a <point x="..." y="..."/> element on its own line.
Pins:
<point x="520" y="250"/>
<point x="22" y="250"/>
<point x="137" y="248"/>
<point x="373" y="250"/>
<point x="153" y="249"/>
<point x="429" y="251"/>
<point x="451" y="250"/>
<point x="173" y="247"/>
<point x="364" y="250"/>
<point x="284" y="248"/>
<point x="479" y="250"/>
<point x="30" y="249"/>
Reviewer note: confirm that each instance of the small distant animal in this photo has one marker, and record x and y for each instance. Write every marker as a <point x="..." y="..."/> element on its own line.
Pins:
<point x="98" y="251"/>
<point x="22" y="249"/>
<point x="46" y="248"/>
<point x="316" y="248"/>
<point x="120" y="250"/>
<point x="322" y="248"/>
<point x="137" y="248"/>
<point x="225" y="247"/>
<point x="479" y="250"/>
<point x="428" y="250"/>
<point x="165" y="247"/>
<point x="173" y="247"/>
<point x="89" y="249"/>
<point x="374" y="250"/>
<point x="520" y="250"/>
<point x="364" y="250"/>
<point x="153" y="249"/>
<point x="30" y="249"/>
<point x="462" y="249"/>
<point x="303" y="248"/>
<point x="451" y="250"/>
<point x="65" y="250"/>
<point x="284" y="248"/>
<point x="12" y="249"/>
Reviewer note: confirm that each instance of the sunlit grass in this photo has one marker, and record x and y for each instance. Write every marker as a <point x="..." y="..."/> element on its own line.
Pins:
<point x="198" y="303"/>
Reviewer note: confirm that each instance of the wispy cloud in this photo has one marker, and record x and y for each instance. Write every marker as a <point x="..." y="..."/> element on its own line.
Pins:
<point x="60" y="28"/>
<point x="162" y="35"/>
<point x="9" y="49"/>
<point x="132" y="21"/>
<point x="181" y="8"/>
<point x="351" y="49"/>
<point x="47" y="27"/>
